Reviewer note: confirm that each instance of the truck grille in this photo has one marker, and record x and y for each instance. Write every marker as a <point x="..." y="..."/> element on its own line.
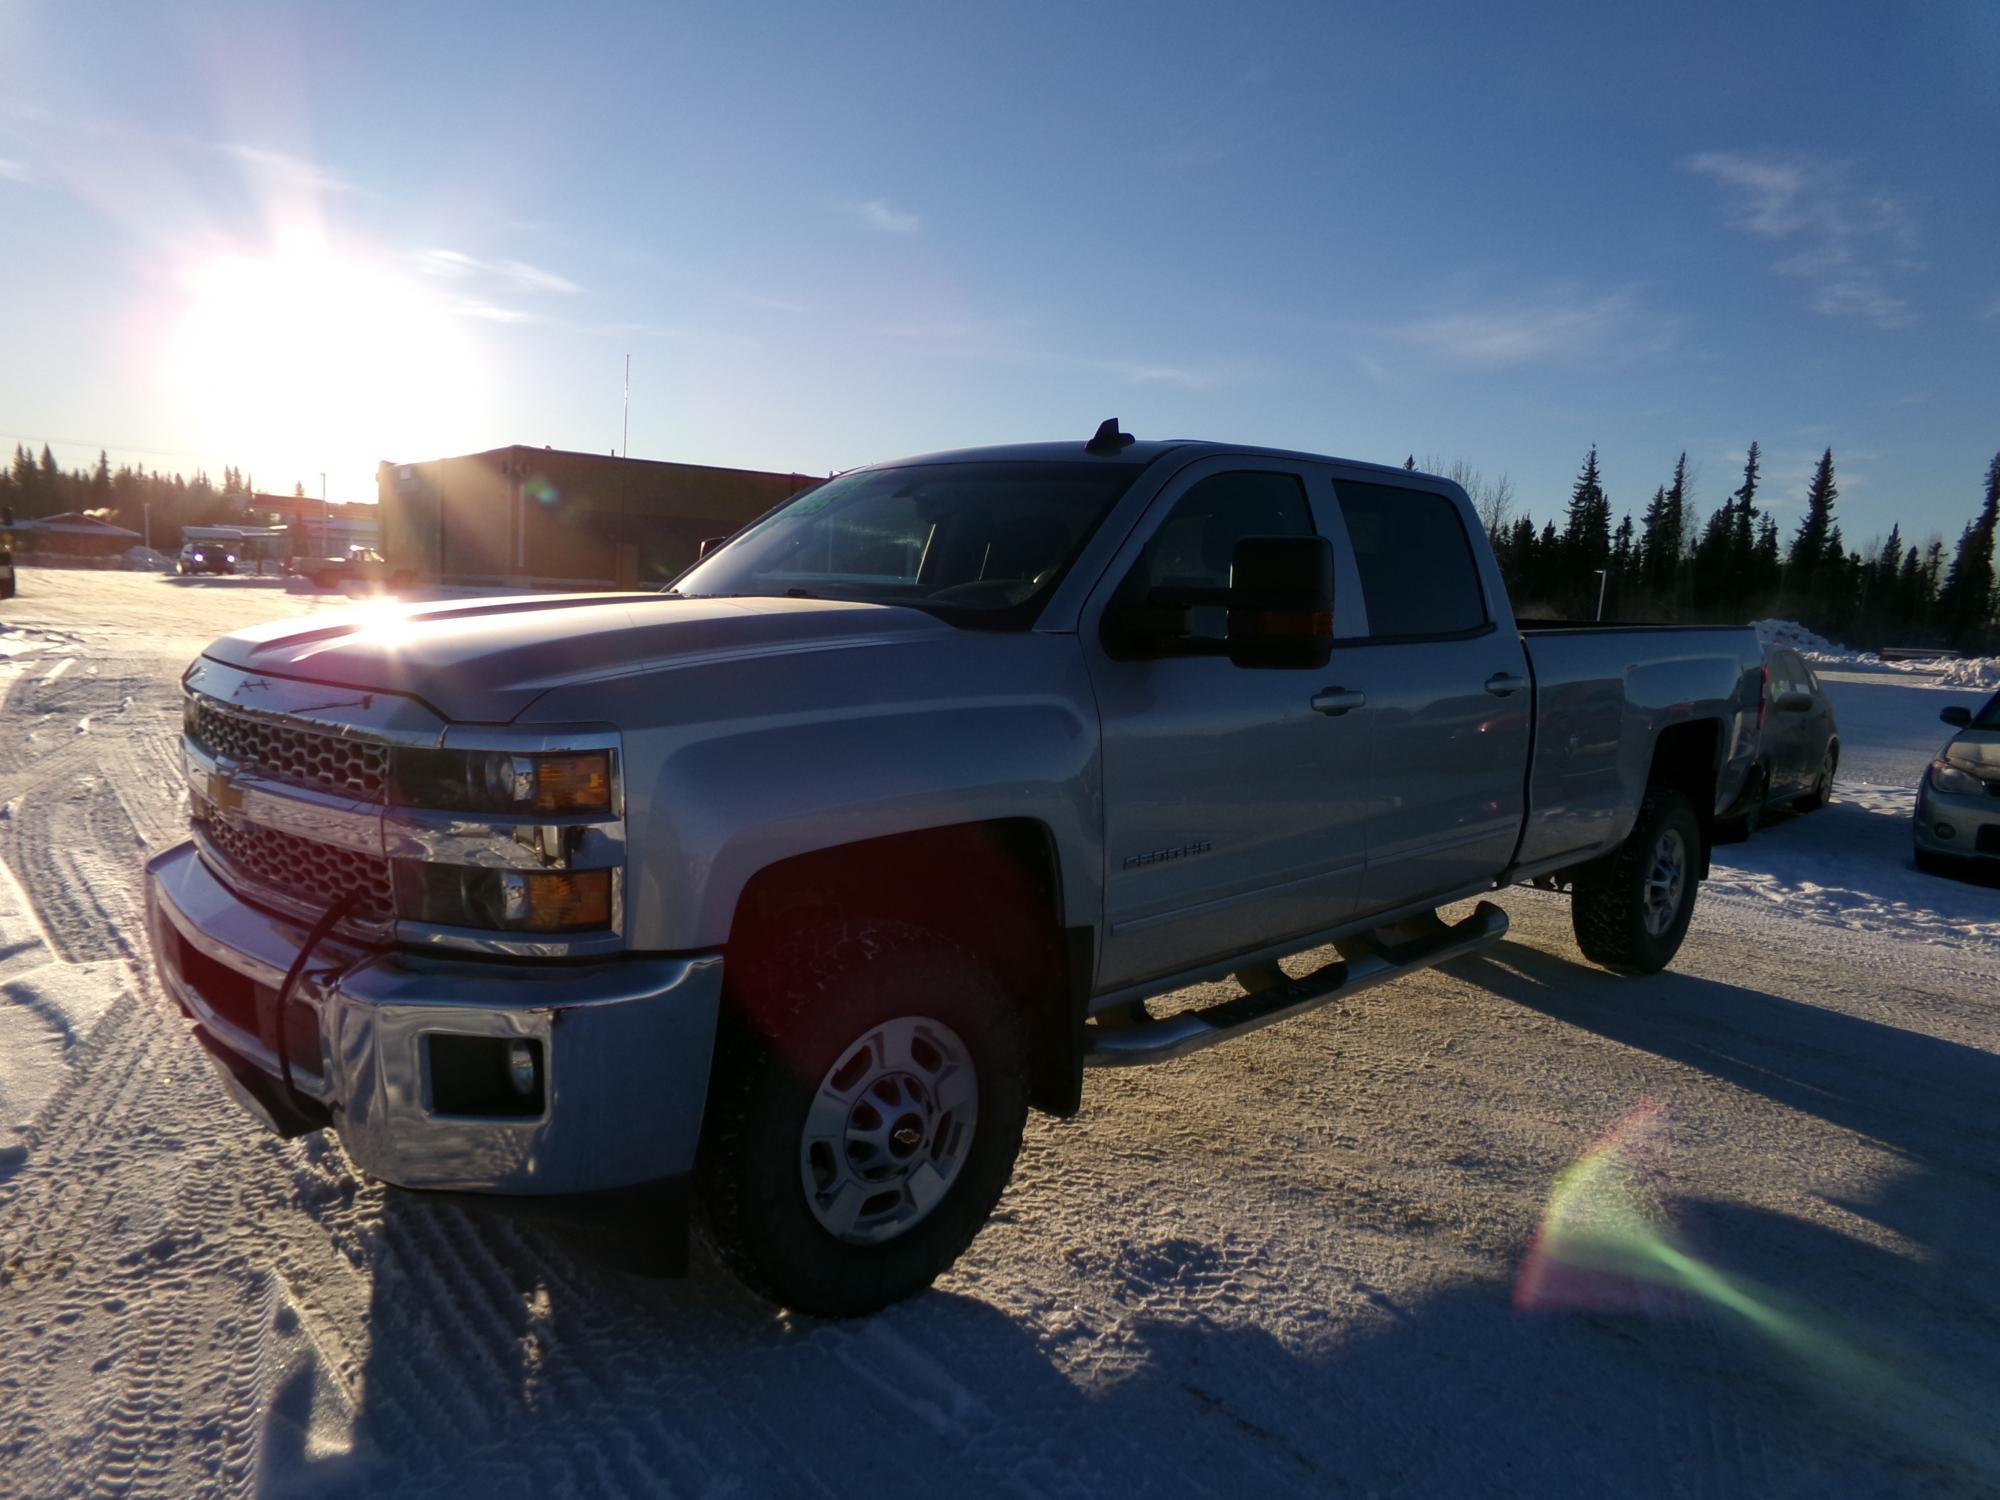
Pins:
<point x="303" y="869"/>
<point x="355" y="767"/>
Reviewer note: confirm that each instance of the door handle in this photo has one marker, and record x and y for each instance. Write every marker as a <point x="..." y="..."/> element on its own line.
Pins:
<point x="1337" y="701"/>
<point x="1502" y="684"/>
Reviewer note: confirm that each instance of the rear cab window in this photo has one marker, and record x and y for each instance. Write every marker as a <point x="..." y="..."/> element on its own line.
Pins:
<point x="1419" y="575"/>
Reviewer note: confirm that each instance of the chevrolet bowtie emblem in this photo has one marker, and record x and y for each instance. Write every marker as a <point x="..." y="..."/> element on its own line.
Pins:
<point x="224" y="795"/>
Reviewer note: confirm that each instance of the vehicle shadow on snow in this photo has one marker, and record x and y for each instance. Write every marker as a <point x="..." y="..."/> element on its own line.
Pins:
<point x="1923" y="1096"/>
<point x="514" y="1358"/>
<point x="536" y="1370"/>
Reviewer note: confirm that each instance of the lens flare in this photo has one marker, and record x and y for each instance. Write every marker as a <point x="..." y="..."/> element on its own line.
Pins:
<point x="1607" y="1244"/>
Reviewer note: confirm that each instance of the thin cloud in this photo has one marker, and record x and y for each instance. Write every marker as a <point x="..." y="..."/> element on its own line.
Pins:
<point x="1991" y="312"/>
<point x="1171" y="375"/>
<point x="878" y="215"/>
<point x="15" y="171"/>
<point x="452" y="265"/>
<point x="283" y="169"/>
<point x="1846" y="241"/>
<point x="1554" y="329"/>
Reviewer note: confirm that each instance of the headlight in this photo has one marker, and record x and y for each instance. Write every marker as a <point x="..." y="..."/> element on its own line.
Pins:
<point x="504" y="900"/>
<point x="1948" y="778"/>
<point x="499" y="781"/>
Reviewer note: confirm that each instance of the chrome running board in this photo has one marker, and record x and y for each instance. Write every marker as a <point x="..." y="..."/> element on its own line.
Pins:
<point x="1371" y="959"/>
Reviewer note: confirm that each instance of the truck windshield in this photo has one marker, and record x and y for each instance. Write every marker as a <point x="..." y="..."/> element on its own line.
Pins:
<point x="978" y="543"/>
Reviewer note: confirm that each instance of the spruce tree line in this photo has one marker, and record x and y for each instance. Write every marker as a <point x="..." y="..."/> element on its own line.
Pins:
<point x="123" y="496"/>
<point x="1677" y="566"/>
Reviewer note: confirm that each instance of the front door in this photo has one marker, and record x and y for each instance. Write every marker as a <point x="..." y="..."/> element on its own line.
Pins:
<point x="1233" y="814"/>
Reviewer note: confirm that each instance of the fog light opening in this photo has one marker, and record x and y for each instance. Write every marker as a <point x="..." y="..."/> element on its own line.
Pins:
<point x="1944" y="830"/>
<point x="521" y="1068"/>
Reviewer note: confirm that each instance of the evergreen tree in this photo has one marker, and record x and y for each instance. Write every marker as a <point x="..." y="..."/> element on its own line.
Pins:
<point x="1809" y="548"/>
<point x="1966" y="603"/>
<point x="1586" y="541"/>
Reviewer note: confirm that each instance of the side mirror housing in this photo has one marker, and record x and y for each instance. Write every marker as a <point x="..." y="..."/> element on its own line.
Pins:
<point x="1281" y="602"/>
<point x="1956" y="716"/>
<point x="1277" y="611"/>
<point x="1797" y="701"/>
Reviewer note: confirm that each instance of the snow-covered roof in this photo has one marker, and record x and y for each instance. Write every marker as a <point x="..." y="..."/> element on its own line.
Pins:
<point x="74" y="523"/>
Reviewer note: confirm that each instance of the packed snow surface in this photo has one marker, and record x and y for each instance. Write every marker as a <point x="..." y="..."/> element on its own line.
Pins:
<point x="1516" y="1227"/>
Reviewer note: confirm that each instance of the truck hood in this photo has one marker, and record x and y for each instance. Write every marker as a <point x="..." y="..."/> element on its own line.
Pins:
<point x="485" y="660"/>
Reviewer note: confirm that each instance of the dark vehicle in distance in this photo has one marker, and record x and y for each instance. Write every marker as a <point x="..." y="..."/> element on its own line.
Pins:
<point x="1798" y="747"/>
<point x="205" y="557"/>
<point x="355" y="565"/>
<point x="1957" y="824"/>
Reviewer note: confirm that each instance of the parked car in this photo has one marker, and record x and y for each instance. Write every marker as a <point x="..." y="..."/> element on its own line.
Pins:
<point x="798" y="883"/>
<point x="1798" y="748"/>
<point x="1958" y="801"/>
<point x="355" y="565"/>
<point x="205" y="557"/>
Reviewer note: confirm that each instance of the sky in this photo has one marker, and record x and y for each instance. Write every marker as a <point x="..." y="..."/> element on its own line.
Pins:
<point x="302" y="239"/>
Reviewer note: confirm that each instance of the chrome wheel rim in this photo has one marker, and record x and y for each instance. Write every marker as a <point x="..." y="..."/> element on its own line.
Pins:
<point x="889" y="1130"/>
<point x="1666" y="879"/>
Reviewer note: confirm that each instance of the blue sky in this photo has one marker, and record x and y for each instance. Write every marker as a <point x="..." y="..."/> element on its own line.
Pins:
<point x="307" y="238"/>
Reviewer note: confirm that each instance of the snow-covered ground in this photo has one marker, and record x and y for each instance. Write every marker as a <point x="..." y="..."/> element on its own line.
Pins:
<point x="1755" y="1198"/>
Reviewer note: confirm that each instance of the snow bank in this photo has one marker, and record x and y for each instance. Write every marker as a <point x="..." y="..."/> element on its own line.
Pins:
<point x="147" y="560"/>
<point x="1971" y="672"/>
<point x="1793" y="636"/>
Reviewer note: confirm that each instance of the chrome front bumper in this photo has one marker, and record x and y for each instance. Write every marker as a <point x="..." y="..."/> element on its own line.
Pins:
<point x="624" y="1045"/>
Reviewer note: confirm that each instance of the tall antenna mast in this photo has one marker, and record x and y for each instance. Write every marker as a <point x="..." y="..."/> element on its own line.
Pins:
<point x="625" y="439"/>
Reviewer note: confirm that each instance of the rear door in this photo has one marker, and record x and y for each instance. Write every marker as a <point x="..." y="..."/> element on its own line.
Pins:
<point x="1235" y="812"/>
<point x="1785" y="734"/>
<point x="1447" y="689"/>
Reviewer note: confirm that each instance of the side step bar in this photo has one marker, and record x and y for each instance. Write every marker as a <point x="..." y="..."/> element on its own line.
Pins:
<point x="1374" y="958"/>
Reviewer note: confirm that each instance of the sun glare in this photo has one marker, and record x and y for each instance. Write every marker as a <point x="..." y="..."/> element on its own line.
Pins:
<point x="303" y="360"/>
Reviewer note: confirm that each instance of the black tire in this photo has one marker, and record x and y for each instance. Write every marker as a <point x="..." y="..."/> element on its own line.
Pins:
<point x="1610" y="905"/>
<point x="1822" y="787"/>
<point x="1932" y="863"/>
<point x="796" y="1013"/>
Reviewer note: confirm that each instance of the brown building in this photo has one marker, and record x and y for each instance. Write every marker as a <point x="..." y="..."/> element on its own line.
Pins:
<point x="71" y="534"/>
<point x="540" y="515"/>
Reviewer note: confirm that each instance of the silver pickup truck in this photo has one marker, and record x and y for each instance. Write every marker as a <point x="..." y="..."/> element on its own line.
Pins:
<point x="790" y="889"/>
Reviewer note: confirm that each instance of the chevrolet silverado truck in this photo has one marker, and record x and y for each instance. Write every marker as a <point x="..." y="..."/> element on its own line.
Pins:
<point x="783" y="894"/>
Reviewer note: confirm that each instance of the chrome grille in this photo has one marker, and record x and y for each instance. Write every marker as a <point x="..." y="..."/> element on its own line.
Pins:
<point x="304" y="869"/>
<point x="356" y="767"/>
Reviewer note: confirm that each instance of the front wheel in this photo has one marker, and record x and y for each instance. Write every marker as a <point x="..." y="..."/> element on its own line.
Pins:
<point x="869" y="1097"/>
<point x="1631" y="911"/>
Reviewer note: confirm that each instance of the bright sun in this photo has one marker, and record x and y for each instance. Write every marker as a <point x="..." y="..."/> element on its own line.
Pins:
<point x="303" y="360"/>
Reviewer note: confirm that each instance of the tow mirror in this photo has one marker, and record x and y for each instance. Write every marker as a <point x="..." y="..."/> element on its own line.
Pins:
<point x="1281" y="602"/>
<point x="1795" y="701"/>
<point x="1957" y="717"/>
<point x="1277" y="611"/>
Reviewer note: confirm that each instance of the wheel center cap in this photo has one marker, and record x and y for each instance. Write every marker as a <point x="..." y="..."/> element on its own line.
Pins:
<point x="906" y="1135"/>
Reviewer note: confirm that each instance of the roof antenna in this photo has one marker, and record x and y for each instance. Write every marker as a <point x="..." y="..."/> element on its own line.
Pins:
<point x="1109" y="439"/>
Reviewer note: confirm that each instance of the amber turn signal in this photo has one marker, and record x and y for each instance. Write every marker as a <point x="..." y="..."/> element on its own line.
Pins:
<point x="573" y="783"/>
<point x="566" y="901"/>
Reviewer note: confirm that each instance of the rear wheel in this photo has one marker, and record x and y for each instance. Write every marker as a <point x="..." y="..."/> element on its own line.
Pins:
<point x="1822" y="787"/>
<point x="869" y="1095"/>
<point x="1631" y="911"/>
